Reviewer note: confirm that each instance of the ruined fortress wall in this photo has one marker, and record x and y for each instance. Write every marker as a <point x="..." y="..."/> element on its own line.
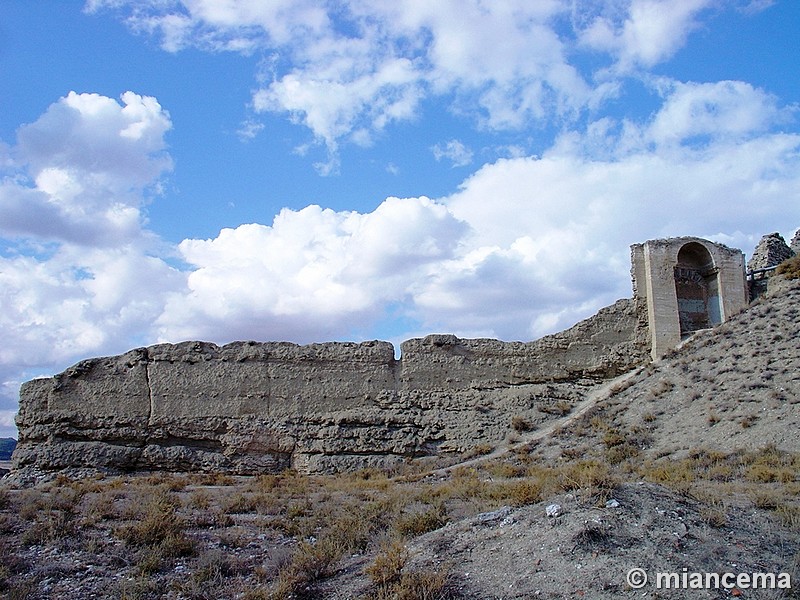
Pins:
<point x="266" y="380"/>
<point x="250" y="407"/>
<point x="604" y="346"/>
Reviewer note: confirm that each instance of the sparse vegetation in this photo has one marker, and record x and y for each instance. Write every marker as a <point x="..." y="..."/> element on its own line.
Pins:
<point x="748" y="421"/>
<point x="419" y="522"/>
<point x="478" y="450"/>
<point x="289" y="535"/>
<point x="520" y="424"/>
<point x="299" y="529"/>
<point x="558" y="407"/>
<point x="387" y="568"/>
<point x="790" y="268"/>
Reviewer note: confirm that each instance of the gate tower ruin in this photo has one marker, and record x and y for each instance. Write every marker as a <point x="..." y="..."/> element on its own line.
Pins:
<point x="687" y="284"/>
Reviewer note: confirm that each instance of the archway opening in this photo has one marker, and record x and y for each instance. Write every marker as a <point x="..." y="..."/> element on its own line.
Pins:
<point x="697" y="289"/>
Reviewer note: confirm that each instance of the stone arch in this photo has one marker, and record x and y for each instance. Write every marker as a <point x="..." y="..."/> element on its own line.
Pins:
<point x="697" y="289"/>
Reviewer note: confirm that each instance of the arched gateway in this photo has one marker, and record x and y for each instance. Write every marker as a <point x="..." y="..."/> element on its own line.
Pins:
<point x="686" y="284"/>
<point x="696" y="289"/>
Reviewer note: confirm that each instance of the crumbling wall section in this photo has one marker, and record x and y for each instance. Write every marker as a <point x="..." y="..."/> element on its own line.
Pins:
<point x="604" y="346"/>
<point x="250" y="407"/>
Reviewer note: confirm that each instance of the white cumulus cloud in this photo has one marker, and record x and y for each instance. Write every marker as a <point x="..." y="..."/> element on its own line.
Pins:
<point x="731" y="109"/>
<point x="312" y="274"/>
<point x="79" y="275"/>
<point x="83" y="169"/>
<point x="348" y="69"/>
<point x="638" y="33"/>
<point x="524" y="246"/>
<point x="550" y="236"/>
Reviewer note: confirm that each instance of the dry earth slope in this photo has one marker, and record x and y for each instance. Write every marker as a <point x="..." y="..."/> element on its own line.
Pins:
<point x="733" y="387"/>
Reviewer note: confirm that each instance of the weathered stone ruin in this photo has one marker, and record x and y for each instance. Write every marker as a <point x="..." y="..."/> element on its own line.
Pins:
<point x="250" y="407"/>
<point x="770" y="252"/>
<point x="687" y="284"/>
<point x="795" y="243"/>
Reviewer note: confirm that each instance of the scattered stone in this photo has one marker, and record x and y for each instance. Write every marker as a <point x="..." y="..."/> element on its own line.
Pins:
<point x="495" y="515"/>
<point x="612" y="503"/>
<point x="553" y="510"/>
<point x="531" y="556"/>
<point x="681" y="531"/>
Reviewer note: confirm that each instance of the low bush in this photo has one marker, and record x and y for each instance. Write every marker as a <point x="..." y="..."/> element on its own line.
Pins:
<point x="310" y="563"/>
<point x="559" y="408"/>
<point x="520" y="424"/>
<point x="157" y="521"/>
<point x="392" y="582"/>
<point x="790" y="268"/>
<point x="419" y="522"/>
<point x="158" y="534"/>
<point x="617" y="454"/>
<point x="522" y="493"/>
<point x="590" y="475"/>
<point x="478" y="450"/>
<point x="387" y="568"/>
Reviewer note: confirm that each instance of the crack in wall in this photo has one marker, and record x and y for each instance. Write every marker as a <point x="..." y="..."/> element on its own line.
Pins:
<point x="151" y="405"/>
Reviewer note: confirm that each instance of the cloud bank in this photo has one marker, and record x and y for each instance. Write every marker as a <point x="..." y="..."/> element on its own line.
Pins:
<point x="347" y="69"/>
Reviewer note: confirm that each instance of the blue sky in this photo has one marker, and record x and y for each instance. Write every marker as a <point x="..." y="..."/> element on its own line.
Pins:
<point x="352" y="169"/>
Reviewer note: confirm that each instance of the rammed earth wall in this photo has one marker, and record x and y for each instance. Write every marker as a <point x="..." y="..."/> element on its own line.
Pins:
<point x="251" y="407"/>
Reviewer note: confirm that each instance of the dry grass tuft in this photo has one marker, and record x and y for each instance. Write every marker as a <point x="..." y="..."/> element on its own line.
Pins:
<point x="305" y="529"/>
<point x="419" y="522"/>
<point x="387" y="573"/>
<point x="520" y="424"/>
<point x="790" y="268"/>
<point x="387" y="568"/>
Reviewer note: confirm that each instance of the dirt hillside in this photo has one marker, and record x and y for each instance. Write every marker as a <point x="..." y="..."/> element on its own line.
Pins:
<point x="736" y="386"/>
